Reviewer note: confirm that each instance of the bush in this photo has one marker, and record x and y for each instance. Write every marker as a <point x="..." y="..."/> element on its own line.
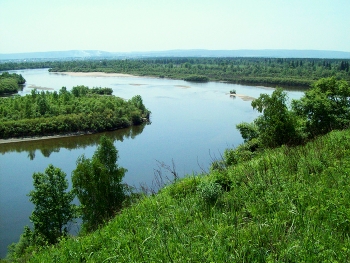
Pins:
<point x="209" y="191"/>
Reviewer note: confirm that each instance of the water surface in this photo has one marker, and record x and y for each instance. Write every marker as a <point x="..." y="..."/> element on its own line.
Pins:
<point x="191" y="124"/>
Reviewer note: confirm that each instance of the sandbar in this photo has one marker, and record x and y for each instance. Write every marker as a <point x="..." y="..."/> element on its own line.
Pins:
<point x="243" y="97"/>
<point x="38" y="87"/>
<point x="38" y="138"/>
<point x="182" y="86"/>
<point x="93" y="74"/>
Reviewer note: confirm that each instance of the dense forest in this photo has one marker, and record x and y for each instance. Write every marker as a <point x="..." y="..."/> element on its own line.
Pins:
<point x="82" y="109"/>
<point x="10" y="83"/>
<point x="258" y="71"/>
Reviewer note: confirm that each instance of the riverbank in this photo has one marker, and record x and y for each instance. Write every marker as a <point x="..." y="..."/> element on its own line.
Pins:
<point x="39" y="138"/>
<point x="277" y="207"/>
<point x="93" y="74"/>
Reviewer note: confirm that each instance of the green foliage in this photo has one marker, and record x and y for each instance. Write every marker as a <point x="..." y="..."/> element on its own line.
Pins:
<point x="8" y="86"/>
<point x="254" y="71"/>
<point x="182" y="188"/>
<point x="248" y="131"/>
<point x="81" y="91"/>
<point x="285" y="205"/>
<point x="197" y="78"/>
<point x="53" y="208"/>
<point x="97" y="183"/>
<point x="325" y="107"/>
<point x="209" y="191"/>
<point x="81" y="110"/>
<point x="276" y="125"/>
<point x="22" y="247"/>
<point x="9" y="83"/>
<point x="233" y="91"/>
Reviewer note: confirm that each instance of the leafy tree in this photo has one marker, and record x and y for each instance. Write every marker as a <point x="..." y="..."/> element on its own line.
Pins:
<point x="53" y="208"/>
<point x="277" y="125"/>
<point x="248" y="131"/>
<point x="325" y="107"/>
<point x="98" y="185"/>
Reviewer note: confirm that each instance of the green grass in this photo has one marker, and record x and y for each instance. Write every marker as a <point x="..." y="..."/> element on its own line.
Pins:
<point x="285" y="205"/>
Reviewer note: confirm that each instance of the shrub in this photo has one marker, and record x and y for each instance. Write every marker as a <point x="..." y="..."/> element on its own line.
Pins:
<point x="209" y="191"/>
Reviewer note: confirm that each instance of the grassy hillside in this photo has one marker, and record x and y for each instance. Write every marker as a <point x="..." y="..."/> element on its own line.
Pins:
<point x="285" y="205"/>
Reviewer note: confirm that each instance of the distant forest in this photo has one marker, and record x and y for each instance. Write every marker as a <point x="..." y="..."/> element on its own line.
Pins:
<point x="256" y="71"/>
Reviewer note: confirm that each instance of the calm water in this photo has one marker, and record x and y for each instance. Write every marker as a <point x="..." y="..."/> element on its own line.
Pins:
<point x="192" y="124"/>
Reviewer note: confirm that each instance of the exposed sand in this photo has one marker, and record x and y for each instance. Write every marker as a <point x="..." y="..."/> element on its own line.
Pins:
<point x="243" y="97"/>
<point x="136" y="84"/>
<point x="94" y="74"/>
<point x="183" y="86"/>
<point x="39" y="87"/>
<point x="38" y="138"/>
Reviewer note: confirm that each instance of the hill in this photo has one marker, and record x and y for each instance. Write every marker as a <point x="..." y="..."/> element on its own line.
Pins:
<point x="285" y="205"/>
<point x="84" y="54"/>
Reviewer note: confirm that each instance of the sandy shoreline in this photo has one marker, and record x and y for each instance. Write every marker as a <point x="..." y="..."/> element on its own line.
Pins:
<point x="94" y="74"/>
<point x="39" y="138"/>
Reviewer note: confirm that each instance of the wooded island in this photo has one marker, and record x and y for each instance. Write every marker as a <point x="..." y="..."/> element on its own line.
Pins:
<point x="80" y="110"/>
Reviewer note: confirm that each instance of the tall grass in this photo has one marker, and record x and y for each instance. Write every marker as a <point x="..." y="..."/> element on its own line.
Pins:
<point x="286" y="205"/>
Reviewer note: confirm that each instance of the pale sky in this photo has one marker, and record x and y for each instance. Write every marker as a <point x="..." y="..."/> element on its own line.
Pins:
<point x="156" y="25"/>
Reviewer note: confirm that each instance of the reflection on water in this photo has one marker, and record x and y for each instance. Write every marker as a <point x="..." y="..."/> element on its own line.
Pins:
<point x="46" y="147"/>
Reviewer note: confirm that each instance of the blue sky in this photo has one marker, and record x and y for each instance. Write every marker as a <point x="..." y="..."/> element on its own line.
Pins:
<point x="154" y="25"/>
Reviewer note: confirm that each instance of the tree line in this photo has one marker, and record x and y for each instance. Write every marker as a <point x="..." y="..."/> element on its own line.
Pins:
<point x="258" y="71"/>
<point x="80" y="110"/>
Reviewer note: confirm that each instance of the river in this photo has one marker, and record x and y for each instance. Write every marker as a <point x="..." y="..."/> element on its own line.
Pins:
<point x="191" y="125"/>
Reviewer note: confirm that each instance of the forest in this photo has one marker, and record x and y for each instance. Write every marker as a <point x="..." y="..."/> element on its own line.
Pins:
<point x="273" y="72"/>
<point x="82" y="109"/>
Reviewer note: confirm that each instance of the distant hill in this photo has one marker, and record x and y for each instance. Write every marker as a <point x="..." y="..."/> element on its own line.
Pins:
<point x="91" y="54"/>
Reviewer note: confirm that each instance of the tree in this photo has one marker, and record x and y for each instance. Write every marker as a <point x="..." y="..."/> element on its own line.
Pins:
<point x="97" y="183"/>
<point x="248" y="131"/>
<point x="53" y="208"/>
<point x="277" y="125"/>
<point x="325" y="107"/>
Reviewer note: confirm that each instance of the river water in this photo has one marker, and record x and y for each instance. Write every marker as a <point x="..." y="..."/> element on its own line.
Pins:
<point x="191" y="125"/>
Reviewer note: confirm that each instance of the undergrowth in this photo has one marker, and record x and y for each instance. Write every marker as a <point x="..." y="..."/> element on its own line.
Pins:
<point x="284" y="205"/>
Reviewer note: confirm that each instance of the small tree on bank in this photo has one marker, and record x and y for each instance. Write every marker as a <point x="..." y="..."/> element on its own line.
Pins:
<point x="277" y="125"/>
<point x="53" y="208"/>
<point x="97" y="183"/>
